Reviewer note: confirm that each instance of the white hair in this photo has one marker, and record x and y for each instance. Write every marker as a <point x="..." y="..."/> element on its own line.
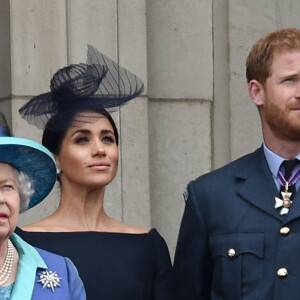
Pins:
<point x="26" y="189"/>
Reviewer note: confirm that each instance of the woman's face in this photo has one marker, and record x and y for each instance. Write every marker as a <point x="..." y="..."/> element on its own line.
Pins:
<point x="89" y="153"/>
<point x="9" y="200"/>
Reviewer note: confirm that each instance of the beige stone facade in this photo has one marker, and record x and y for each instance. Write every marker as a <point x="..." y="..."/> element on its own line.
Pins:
<point x="195" y="114"/>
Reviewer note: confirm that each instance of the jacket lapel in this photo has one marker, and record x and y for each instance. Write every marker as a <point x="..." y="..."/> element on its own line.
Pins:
<point x="257" y="184"/>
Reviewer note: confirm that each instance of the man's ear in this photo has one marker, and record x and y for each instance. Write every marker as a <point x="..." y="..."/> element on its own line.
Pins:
<point x="256" y="92"/>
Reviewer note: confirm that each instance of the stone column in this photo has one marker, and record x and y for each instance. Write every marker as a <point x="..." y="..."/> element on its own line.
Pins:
<point x="180" y="89"/>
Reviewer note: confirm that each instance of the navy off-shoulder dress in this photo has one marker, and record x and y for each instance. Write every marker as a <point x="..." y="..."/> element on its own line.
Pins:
<point x="114" y="266"/>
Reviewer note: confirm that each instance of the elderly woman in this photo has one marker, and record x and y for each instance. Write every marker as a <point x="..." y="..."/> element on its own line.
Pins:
<point x="27" y="175"/>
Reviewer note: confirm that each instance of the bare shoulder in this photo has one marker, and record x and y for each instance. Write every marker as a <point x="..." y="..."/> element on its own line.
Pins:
<point x="43" y="225"/>
<point x="125" y="228"/>
<point x="137" y="230"/>
<point x="33" y="227"/>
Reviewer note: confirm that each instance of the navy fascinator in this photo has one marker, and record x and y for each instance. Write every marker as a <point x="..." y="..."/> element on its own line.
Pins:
<point x="100" y="83"/>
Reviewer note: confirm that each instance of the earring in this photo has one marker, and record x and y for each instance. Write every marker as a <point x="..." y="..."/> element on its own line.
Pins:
<point x="57" y="171"/>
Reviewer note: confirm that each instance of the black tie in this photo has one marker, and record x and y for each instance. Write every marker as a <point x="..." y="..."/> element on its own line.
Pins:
<point x="289" y="166"/>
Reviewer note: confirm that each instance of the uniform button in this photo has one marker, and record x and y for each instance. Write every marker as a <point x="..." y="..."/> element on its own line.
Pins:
<point x="282" y="273"/>
<point x="285" y="230"/>
<point x="231" y="252"/>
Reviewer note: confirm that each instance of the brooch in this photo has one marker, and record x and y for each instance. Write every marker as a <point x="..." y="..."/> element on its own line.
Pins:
<point x="49" y="279"/>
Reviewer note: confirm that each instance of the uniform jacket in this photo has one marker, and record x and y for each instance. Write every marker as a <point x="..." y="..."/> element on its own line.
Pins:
<point x="32" y="263"/>
<point x="233" y="244"/>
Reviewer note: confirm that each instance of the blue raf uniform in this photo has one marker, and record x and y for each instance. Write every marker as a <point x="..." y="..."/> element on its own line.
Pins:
<point x="233" y="243"/>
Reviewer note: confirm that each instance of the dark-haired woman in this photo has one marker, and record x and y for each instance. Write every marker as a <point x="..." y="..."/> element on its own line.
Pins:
<point x="114" y="260"/>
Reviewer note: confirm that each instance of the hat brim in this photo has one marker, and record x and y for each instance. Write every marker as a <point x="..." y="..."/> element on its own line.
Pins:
<point x="34" y="160"/>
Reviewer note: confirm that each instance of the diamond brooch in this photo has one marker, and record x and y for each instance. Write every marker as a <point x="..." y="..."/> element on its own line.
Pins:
<point x="49" y="279"/>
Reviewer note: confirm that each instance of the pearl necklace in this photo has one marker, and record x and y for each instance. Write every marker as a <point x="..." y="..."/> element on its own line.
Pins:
<point x="6" y="269"/>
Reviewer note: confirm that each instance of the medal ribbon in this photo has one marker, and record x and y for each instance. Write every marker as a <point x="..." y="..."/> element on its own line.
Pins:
<point x="292" y="180"/>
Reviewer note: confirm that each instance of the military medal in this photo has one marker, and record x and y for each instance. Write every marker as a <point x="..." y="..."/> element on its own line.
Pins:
<point x="286" y="201"/>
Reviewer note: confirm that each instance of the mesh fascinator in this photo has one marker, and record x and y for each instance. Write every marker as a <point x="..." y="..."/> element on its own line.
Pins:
<point x="31" y="158"/>
<point x="99" y="83"/>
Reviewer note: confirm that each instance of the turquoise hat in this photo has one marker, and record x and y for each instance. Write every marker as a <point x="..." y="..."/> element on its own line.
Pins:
<point x="30" y="157"/>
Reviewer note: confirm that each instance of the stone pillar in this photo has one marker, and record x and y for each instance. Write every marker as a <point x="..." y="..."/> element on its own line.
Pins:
<point x="180" y="89"/>
<point x="5" y="68"/>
